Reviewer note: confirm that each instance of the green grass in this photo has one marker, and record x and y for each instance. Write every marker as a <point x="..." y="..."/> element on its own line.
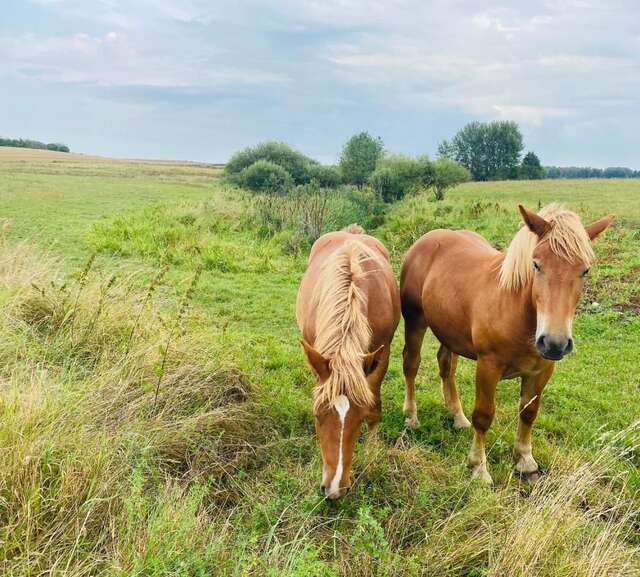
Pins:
<point x="220" y="475"/>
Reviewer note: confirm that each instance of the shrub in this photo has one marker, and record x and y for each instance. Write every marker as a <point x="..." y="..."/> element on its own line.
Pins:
<point x="447" y="174"/>
<point x="360" y="205"/>
<point x="265" y="176"/>
<point x="325" y="176"/>
<point x="397" y="176"/>
<point x="292" y="161"/>
<point x="359" y="158"/>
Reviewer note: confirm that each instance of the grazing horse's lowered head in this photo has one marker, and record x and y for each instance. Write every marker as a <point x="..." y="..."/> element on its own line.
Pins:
<point x="347" y="309"/>
<point x="339" y="419"/>
<point x="552" y="253"/>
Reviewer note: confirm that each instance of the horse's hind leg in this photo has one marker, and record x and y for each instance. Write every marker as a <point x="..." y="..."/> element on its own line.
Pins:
<point x="414" y="330"/>
<point x="448" y="361"/>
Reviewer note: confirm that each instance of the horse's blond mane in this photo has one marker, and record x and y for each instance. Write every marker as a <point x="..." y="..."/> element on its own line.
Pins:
<point x="343" y="333"/>
<point x="567" y="238"/>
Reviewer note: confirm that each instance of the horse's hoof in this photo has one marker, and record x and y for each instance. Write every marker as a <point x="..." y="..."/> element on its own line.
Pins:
<point x="480" y="472"/>
<point x="411" y="422"/>
<point x="532" y="477"/>
<point x="460" y="422"/>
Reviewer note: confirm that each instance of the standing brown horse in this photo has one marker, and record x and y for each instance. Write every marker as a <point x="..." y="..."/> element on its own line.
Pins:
<point x="511" y="312"/>
<point x="348" y="308"/>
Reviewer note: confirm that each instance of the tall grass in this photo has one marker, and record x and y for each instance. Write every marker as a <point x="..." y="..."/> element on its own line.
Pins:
<point x="81" y="441"/>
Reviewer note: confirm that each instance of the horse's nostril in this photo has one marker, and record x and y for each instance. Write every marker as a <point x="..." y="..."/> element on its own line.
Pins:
<point x="322" y="490"/>
<point x="569" y="346"/>
<point x="540" y="343"/>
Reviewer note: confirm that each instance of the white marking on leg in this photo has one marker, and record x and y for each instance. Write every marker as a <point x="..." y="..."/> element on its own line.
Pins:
<point x="410" y="409"/>
<point x="460" y="421"/>
<point x="342" y="406"/>
<point x="478" y="459"/>
<point x="526" y="463"/>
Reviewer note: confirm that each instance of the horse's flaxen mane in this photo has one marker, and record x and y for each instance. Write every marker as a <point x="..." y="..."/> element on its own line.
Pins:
<point x="343" y="333"/>
<point x="567" y="238"/>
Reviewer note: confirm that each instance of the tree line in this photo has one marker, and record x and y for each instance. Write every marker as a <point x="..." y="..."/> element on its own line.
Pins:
<point x="26" y="143"/>
<point x="589" y="172"/>
<point x="493" y="151"/>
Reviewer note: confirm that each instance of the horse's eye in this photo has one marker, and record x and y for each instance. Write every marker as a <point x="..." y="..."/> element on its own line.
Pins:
<point x="585" y="273"/>
<point x="536" y="266"/>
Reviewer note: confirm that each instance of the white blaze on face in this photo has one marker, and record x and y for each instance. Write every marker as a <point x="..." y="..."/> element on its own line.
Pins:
<point x="542" y="329"/>
<point x="342" y="406"/>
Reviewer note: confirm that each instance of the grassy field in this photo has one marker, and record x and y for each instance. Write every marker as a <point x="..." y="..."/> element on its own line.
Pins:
<point x="156" y="415"/>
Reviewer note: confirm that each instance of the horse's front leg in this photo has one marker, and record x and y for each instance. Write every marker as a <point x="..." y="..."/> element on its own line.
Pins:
<point x="530" y="395"/>
<point x="488" y="373"/>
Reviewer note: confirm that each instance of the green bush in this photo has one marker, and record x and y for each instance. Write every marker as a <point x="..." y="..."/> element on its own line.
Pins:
<point x="360" y="205"/>
<point x="397" y="176"/>
<point x="292" y="161"/>
<point x="447" y="174"/>
<point x="265" y="176"/>
<point x="325" y="176"/>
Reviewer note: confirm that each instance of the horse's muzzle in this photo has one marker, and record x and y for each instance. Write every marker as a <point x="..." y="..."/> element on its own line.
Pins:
<point x="324" y="492"/>
<point x="553" y="348"/>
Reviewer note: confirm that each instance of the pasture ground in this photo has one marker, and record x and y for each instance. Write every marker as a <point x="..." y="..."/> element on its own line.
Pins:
<point x="218" y="472"/>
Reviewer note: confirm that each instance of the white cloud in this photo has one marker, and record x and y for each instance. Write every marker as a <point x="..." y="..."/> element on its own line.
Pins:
<point x="532" y="115"/>
<point x="115" y="60"/>
<point x="533" y="63"/>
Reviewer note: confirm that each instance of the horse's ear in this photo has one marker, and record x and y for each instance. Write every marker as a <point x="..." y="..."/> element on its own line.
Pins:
<point x="595" y="229"/>
<point x="536" y="224"/>
<point x="371" y="360"/>
<point x="316" y="361"/>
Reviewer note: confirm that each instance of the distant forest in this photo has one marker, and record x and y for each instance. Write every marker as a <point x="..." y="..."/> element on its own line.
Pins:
<point x="25" y="143"/>
<point x="589" y="172"/>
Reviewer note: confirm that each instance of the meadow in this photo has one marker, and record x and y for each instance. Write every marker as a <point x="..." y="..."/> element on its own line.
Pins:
<point x="156" y="408"/>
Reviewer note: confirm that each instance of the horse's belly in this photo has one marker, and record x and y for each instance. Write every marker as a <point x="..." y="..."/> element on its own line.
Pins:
<point x="451" y="331"/>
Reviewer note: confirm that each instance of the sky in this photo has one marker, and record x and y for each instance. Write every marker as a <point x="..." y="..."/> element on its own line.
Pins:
<point x="198" y="80"/>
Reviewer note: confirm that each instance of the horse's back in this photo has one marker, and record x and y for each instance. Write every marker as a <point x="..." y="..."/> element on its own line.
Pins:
<point x="446" y="252"/>
<point x="443" y="277"/>
<point x="333" y="241"/>
<point x="378" y="282"/>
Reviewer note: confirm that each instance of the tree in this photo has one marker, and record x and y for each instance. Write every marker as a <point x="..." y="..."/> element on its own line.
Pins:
<point x="447" y="173"/>
<point x="490" y="150"/>
<point x="530" y="168"/>
<point x="446" y="150"/>
<point x="359" y="158"/>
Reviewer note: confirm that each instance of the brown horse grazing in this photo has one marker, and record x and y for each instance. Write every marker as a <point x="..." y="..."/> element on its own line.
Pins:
<point x="511" y="312"/>
<point x="348" y="308"/>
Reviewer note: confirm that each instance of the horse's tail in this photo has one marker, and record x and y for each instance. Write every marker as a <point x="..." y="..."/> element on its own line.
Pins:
<point x="343" y="333"/>
<point x="354" y="228"/>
